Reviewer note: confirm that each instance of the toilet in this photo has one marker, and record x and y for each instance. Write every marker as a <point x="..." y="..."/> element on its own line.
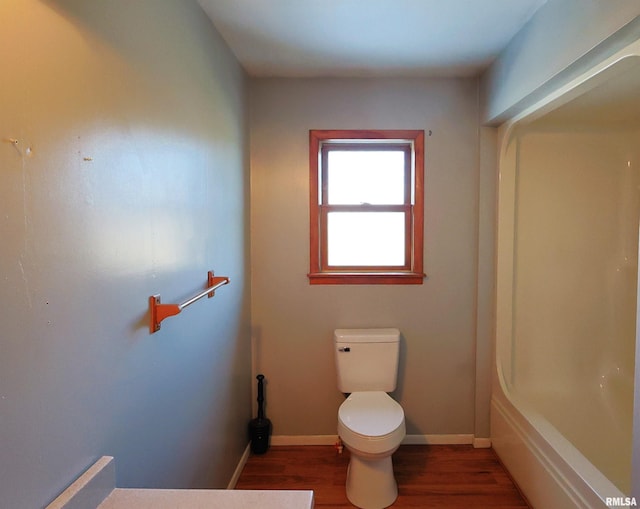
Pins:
<point x="370" y="422"/>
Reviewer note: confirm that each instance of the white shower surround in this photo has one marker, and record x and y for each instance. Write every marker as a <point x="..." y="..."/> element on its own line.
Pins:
<point x="549" y="469"/>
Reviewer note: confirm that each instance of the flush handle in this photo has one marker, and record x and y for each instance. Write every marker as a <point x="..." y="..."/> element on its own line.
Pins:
<point x="344" y="349"/>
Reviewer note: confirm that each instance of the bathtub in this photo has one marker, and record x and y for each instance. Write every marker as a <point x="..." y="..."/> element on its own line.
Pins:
<point x="562" y="408"/>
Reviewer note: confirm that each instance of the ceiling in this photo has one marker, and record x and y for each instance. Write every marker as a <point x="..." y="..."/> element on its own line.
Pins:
<point x="311" y="38"/>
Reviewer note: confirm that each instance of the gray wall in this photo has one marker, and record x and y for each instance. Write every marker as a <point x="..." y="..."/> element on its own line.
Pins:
<point x="293" y="321"/>
<point x="130" y="178"/>
<point x="562" y="39"/>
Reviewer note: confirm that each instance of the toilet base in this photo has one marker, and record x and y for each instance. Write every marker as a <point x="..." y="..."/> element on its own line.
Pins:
<point x="370" y="482"/>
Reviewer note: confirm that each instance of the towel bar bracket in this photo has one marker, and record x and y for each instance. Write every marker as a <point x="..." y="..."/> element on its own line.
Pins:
<point x="160" y="311"/>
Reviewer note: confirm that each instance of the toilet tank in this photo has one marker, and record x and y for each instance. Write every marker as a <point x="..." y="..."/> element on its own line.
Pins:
<point x="366" y="359"/>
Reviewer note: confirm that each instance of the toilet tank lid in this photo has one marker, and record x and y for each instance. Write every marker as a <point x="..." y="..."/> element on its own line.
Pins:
<point x="366" y="335"/>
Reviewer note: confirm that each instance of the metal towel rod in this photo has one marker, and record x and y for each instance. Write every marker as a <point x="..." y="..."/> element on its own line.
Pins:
<point x="160" y="311"/>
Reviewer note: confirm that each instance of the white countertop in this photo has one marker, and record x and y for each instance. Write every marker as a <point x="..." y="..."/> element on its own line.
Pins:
<point x="95" y="489"/>
<point x="126" y="498"/>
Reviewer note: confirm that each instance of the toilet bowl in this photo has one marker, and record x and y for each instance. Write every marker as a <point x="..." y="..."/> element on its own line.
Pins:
<point x="371" y="425"/>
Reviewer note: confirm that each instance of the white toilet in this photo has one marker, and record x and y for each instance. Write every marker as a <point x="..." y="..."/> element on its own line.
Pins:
<point x="370" y="423"/>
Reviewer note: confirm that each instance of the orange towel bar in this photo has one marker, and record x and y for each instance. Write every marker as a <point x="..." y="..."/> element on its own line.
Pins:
<point x="159" y="312"/>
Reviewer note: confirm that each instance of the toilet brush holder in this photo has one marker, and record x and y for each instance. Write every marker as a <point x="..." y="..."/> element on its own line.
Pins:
<point x="260" y="427"/>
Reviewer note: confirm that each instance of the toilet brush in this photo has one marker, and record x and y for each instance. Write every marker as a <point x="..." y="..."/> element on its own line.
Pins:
<point x="260" y="427"/>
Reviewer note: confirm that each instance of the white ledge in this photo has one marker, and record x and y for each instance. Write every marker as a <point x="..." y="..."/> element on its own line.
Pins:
<point x="95" y="489"/>
<point x="122" y="498"/>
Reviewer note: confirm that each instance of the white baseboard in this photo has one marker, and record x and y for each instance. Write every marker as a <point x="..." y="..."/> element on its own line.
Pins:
<point x="481" y="443"/>
<point x="408" y="440"/>
<point x="438" y="439"/>
<point x="238" y="470"/>
<point x="304" y="439"/>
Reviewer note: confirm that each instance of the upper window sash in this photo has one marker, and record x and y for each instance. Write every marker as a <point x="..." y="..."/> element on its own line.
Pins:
<point x="402" y="148"/>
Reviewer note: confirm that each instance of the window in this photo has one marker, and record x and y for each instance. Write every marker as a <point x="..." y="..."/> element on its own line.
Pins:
<point x="366" y="202"/>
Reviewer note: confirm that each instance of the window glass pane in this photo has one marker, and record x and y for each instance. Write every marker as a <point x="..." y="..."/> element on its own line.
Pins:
<point x="365" y="176"/>
<point x="365" y="238"/>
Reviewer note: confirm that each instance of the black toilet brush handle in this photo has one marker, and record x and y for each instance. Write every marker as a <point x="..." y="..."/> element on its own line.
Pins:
<point x="260" y="396"/>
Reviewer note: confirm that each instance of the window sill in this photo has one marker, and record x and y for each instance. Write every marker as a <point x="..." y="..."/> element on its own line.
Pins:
<point x="366" y="278"/>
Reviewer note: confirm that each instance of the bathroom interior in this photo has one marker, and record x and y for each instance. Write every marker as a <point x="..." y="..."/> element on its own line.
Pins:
<point x="137" y="154"/>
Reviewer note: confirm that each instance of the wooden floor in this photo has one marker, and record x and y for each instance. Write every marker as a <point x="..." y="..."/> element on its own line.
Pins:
<point x="428" y="476"/>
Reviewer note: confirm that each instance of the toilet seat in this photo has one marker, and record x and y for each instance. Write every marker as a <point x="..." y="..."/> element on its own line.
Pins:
<point x="371" y="422"/>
